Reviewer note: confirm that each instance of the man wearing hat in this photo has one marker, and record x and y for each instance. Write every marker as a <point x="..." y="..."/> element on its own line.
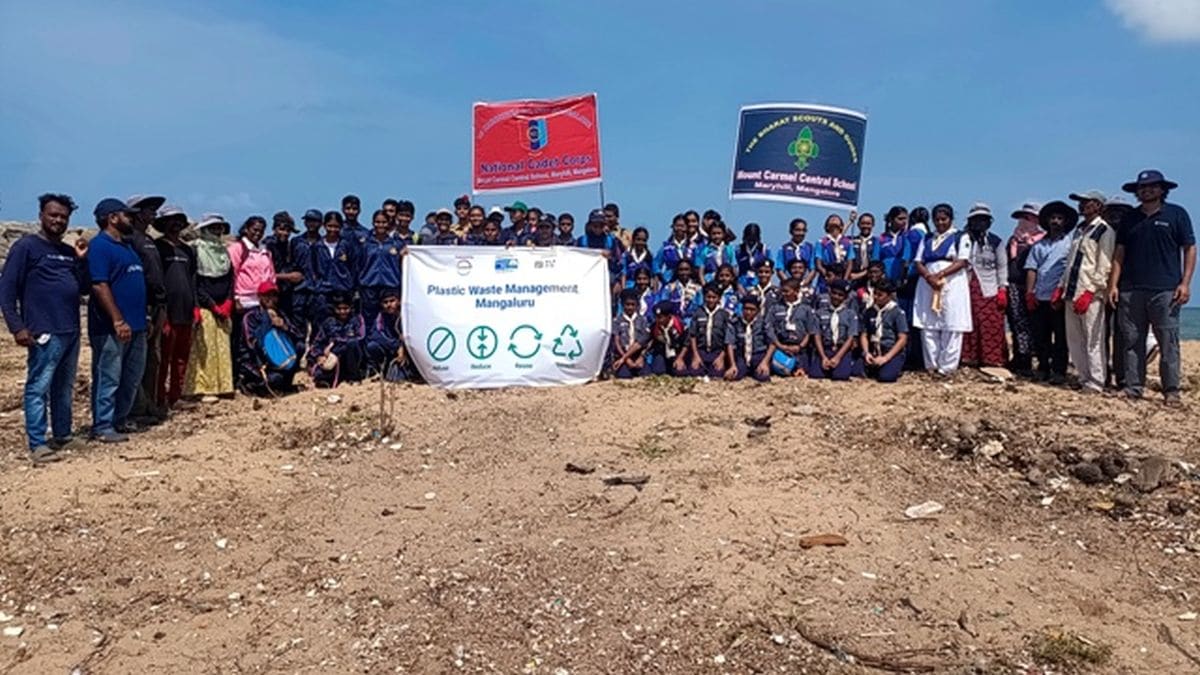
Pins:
<point x="179" y="285"/>
<point x="116" y="321"/>
<point x="1115" y="210"/>
<point x="147" y="409"/>
<point x="1089" y="261"/>
<point x="1044" y="270"/>
<point x="39" y="295"/>
<point x="1151" y="277"/>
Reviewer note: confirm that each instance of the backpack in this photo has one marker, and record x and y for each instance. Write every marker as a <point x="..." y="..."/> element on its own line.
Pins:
<point x="279" y="350"/>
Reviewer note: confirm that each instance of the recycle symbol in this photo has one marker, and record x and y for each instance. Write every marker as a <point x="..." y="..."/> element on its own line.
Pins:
<point x="563" y="348"/>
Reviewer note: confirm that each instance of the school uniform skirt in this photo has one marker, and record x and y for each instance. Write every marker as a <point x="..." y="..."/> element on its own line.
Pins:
<point x="210" y="364"/>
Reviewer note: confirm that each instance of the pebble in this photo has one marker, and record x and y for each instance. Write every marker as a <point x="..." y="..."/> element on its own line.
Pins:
<point x="719" y="659"/>
<point x="14" y="631"/>
<point x="1151" y="474"/>
<point x="804" y="410"/>
<point x="1186" y="616"/>
<point x="923" y="510"/>
<point x="991" y="449"/>
<point x="333" y="398"/>
<point x="5" y="617"/>
<point x="222" y="543"/>
<point x="430" y="496"/>
<point x="778" y="639"/>
<point x="1087" y="473"/>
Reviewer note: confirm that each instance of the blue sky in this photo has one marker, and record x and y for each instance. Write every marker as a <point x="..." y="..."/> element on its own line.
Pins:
<point x="254" y="107"/>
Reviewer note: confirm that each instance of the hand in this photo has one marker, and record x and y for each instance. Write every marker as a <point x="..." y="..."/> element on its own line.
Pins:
<point x="124" y="333"/>
<point x="23" y="337"/>
<point x="872" y="360"/>
<point x="197" y="316"/>
<point x="1113" y="296"/>
<point x="277" y="321"/>
<point x="763" y="369"/>
<point x="679" y="364"/>
<point x="828" y="363"/>
<point x="719" y="363"/>
<point x="1056" y="298"/>
<point x="401" y="357"/>
<point x="1182" y="295"/>
<point x="639" y="362"/>
<point x="81" y="247"/>
<point x="697" y="363"/>
<point x="800" y="372"/>
<point x="1031" y="301"/>
<point x="853" y="216"/>
<point x="731" y="374"/>
<point x="1083" y="302"/>
<point x="1002" y="298"/>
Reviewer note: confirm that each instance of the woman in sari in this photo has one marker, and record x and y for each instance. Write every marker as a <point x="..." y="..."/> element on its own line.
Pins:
<point x="210" y="366"/>
<point x="942" y="309"/>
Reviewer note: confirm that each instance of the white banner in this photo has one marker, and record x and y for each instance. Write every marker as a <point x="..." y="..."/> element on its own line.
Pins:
<point x="479" y="316"/>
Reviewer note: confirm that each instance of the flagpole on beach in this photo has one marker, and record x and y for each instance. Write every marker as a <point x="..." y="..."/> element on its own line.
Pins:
<point x="601" y="194"/>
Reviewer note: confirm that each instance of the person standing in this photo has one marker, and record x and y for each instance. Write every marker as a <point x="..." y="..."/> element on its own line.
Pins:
<point x="1027" y="232"/>
<point x="379" y="266"/>
<point x="116" y="322"/>
<point x="252" y="265"/>
<point x="1115" y="210"/>
<point x="147" y="409"/>
<point x="305" y="301"/>
<point x="1089" y="262"/>
<point x="1151" y="276"/>
<point x="942" y="308"/>
<point x="179" y="283"/>
<point x="287" y="272"/>
<point x="986" y="344"/>
<point x="39" y="296"/>
<point x="612" y="223"/>
<point x="210" y="366"/>
<point x="352" y="230"/>
<point x="1044" y="270"/>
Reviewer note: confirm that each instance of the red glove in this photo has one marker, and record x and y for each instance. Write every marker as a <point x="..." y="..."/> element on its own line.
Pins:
<point x="166" y="329"/>
<point x="224" y="310"/>
<point x="1057" y="296"/>
<point x="862" y="293"/>
<point x="197" y="316"/>
<point x="1002" y="298"/>
<point x="1031" y="301"/>
<point x="1083" y="302"/>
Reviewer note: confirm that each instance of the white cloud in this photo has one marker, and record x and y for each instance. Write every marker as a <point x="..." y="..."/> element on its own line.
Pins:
<point x="1160" y="20"/>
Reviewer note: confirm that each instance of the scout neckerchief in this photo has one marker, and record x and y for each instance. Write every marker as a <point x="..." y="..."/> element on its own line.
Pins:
<point x="708" y="328"/>
<point x="788" y="323"/>
<point x="748" y="348"/>
<point x="877" y="336"/>
<point x="864" y="249"/>
<point x="838" y="253"/>
<point x="637" y="259"/>
<point x="835" y="322"/>
<point x="632" y="328"/>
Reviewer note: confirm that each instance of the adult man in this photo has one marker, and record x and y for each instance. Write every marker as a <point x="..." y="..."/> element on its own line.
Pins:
<point x="612" y="222"/>
<point x="116" y="321"/>
<point x="147" y="409"/>
<point x="1152" y="270"/>
<point x="353" y="230"/>
<point x="1044" y="270"/>
<point x="1089" y="261"/>
<point x="39" y="295"/>
<point x="1115" y="210"/>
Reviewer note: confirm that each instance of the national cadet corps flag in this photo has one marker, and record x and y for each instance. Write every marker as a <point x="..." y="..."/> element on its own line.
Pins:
<point x="533" y="145"/>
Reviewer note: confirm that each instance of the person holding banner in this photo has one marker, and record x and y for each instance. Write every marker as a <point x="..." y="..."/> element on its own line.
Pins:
<point x="566" y="230"/>
<point x="517" y="227"/>
<point x="942" y="309"/>
<point x="678" y="248"/>
<point x="596" y="237"/>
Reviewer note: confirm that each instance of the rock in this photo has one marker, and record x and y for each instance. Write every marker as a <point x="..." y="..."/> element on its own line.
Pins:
<point x="580" y="467"/>
<point x="968" y="430"/>
<point x="1186" y="616"/>
<point x="815" y="540"/>
<point x="990" y="449"/>
<point x="1035" y="476"/>
<point x="333" y="398"/>
<point x="923" y="510"/>
<point x="1113" y="465"/>
<point x="803" y="410"/>
<point x="256" y="404"/>
<point x="1151" y="474"/>
<point x="1177" y="507"/>
<point x="1000" y="375"/>
<point x="1087" y="473"/>
<point x="14" y="631"/>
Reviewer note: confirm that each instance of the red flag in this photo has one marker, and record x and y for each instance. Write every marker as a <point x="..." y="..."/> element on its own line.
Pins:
<point x="533" y="145"/>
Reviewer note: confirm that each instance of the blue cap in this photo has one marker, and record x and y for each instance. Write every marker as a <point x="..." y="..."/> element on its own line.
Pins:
<point x="313" y="214"/>
<point x="1150" y="177"/>
<point x="109" y="206"/>
<point x="596" y="216"/>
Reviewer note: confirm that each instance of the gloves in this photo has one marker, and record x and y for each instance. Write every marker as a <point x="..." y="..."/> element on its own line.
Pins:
<point x="1057" y="296"/>
<point x="224" y="310"/>
<point x="1002" y="298"/>
<point x="1031" y="301"/>
<point x="197" y="316"/>
<point x="1083" y="302"/>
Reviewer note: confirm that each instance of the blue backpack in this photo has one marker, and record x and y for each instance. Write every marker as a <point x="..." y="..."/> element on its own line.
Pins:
<point x="279" y="350"/>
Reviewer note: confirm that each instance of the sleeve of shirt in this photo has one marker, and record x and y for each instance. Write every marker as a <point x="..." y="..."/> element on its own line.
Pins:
<point x="98" y="263"/>
<point x="730" y="335"/>
<point x="769" y="330"/>
<point x="1098" y="279"/>
<point x="641" y="331"/>
<point x="1184" y="233"/>
<point x="919" y="252"/>
<point x="963" y="248"/>
<point x="900" y="323"/>
<point x="812" y="322"/>
<point x="1001" y="265"/>
<point x="12" y="282"/>
<point x="693" y="328"/>
<point x="853" y="323"/>
<point x="1034" y="259"/>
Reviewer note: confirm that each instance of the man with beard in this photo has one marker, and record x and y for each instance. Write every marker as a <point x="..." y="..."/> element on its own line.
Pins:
<point x="39" y="296"/>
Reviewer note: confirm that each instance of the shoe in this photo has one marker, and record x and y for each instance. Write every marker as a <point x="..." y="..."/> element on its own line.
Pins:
<point x="143" y="422"/>
<point x="130" y="427"/>
<point x="68" y="443"/>
<point x="111" y="437"/>
<point x="209" y="399"/>
<point x="1173" y="401"/>
<point x="185" y="405"/>
<point x="1057" y="380"/>
<point x="44" y="454"/>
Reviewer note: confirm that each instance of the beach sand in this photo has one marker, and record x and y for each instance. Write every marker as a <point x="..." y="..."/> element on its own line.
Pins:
<point x="281" y="535"/>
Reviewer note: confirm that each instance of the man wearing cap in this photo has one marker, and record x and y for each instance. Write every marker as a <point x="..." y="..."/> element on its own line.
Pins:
<point x="1115" y="210"/>
<point x="147" y="409"/>
<point x="1151" y="277"/>
<point x="444" y="234"/>
<point x="1027" y="232"/>
<point x="179" y="285"/>
<point x="516" y="215"/>
<point x="116" y="321"/>
<point x="39" y="296"/>
<point x="1089" y="260"/>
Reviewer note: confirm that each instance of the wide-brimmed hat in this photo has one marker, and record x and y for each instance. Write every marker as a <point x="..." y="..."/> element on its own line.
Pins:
<point x="212" y="220"/>
<point x="167" y="214"/>
<point x="1090" y="196"/>
<point x="1149" y="177"/>
<point x="979" y="209"/>
<point x="1029" y="208"/>
<point x="145" y="202"/>
<point x="1072" y="216"/>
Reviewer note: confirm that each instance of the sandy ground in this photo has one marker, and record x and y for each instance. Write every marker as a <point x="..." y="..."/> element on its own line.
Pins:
<point x="292" y="536"/>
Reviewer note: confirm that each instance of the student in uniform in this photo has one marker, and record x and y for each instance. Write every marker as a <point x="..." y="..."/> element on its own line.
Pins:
<point x="638" y="257"/>
<point x="287" y="272"/>
<point x="674" y="250"/>
<point x="490" y="235"/>
<point x="885" y="335"/>
<point x="716" y="252"/>
<point x="379" y="266"/>
<point x="697" y="230"/>
<point x="631" y="335"/>
<point x="352" y="230"/>
<point x="865" y="246"/>
<point x="683" y="290"/>
<point x="338" y="350"/>
<point x="837" y="334"/>
<point x="862" y="296"/>
<point x="335" y="267"/>
<point x="444" y="235"/>
<point x="792" y="325"/>
<point x="710" y="338"/>
<point x="731" y="292"/>
<point x="566" y="230"/>
<point x="753" y="344"/>
<point x="259" y="375"/>
<point x="667" y="339"/>
<point x="763" y="286"/>
<point x="796" y="249"/>
<point x="385" y="349"/>
<point x="404" y="217"/>
<point x="799" y="271"/>
<point x="303" y="255"/>
<point x="643" y="281"/>
<point x="597" y="238"/>
<point x="751" y="254"/>
<point x="833" y="248"/>
<point x="894" y="251"/>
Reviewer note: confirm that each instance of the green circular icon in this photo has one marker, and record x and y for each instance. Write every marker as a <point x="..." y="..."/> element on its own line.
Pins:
<point x="440" y="344"/>
<point x="525" y="341"/>
<point x="482" y="342"/>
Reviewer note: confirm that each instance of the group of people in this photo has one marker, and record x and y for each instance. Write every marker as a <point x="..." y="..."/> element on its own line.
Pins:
<point x="188" y="316"/>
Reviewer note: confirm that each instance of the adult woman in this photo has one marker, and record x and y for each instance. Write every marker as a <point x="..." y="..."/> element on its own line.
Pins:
<point x="252" y="265"/>
<point x="986" y="344"/>
<point x="210" y="366"/>
<point x="179" y="283"/>
<point x="942" y="308"/>
<point x="1027" y="232"/>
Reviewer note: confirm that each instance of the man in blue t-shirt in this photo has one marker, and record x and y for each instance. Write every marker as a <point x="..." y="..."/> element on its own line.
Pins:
<point x="1150" y="280"/>
<point x="116" y="322"/>
<point x="39" y="296"/>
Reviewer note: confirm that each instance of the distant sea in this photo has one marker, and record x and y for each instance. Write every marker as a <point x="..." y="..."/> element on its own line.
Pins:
<point x="1189" y="323"/>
